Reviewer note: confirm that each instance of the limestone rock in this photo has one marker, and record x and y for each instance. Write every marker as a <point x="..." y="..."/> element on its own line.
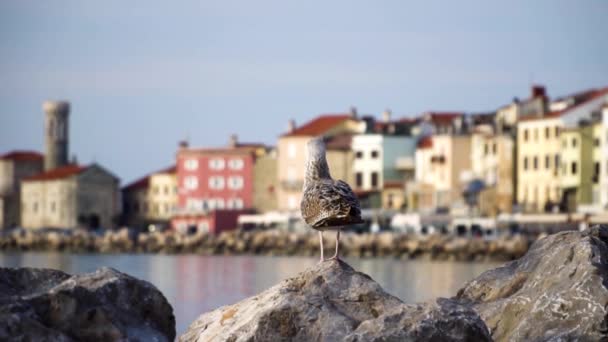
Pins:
<point x="106" y="305"/>
<point x="557" y="291"/>
<point x="333" y="302"/>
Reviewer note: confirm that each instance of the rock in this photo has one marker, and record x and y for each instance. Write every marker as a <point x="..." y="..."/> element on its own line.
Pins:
<point x="333" y="302"/>
<point x="106" y="305"/>
<point x="557" y="291"/>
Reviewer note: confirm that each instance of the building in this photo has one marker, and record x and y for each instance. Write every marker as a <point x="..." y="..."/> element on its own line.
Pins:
<point x="150" y="200"/>
<point x="70" y="196"/>
<point x="538" y="162"/>
<point x="376" y="165"/>
<point x="441" y="162"/>
<point x="431" y="123"/>
<point x="14" y="166"/>
<point x="265" y="181"/>
<point x="292" y="153"/>
<point x="216" y="179"/>
<point x="56" y="123"/>
<point x="492" y="163"/>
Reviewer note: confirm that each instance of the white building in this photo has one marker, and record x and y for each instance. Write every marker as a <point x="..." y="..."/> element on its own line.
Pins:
<point x="376" y="159"/>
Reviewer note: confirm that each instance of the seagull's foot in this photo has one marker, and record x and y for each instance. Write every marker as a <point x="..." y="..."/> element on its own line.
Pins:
<point x="335" y="257"/>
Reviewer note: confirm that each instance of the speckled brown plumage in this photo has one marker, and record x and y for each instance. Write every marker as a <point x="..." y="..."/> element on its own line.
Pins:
<point x="326" y="202"/>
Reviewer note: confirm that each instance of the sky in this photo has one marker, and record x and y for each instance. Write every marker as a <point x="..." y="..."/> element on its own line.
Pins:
<point x="143" y="75"/>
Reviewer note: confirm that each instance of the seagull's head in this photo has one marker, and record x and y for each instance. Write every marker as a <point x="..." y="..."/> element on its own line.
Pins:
<point x="316" y="148"/>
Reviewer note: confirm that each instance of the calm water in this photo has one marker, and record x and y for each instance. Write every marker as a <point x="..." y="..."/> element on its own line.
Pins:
<point x="195" y="284"/>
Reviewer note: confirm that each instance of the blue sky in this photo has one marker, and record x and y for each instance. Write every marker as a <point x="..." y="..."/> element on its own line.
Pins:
<point x="142" y="76"/>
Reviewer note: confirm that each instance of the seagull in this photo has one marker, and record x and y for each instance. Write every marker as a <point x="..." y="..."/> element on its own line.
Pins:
<point x="327" y="204"/>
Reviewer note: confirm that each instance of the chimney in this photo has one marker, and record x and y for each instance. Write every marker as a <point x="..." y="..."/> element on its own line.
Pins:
<point x="183" y="144"/>
<point x="386" y="115"/>
<point x="233" y="141"/>
<point x="353" y="112"/>
<point x="291" y="126"/>
<point x="538" y="91"/>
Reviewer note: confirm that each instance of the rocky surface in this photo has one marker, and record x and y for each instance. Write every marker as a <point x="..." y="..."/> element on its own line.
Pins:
<point x="106" y="305"/>
<point x="333" y="302"/>
<point x="556" y="292"/>
<point x="272" y="242"/>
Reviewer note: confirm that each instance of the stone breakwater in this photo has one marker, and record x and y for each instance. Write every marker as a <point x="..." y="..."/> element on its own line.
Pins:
<point x="273" y="242"/>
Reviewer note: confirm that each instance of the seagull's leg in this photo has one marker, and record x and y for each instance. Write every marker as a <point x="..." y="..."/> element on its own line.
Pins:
<point x="336" y="256"/>
<point x="321" y="241"/>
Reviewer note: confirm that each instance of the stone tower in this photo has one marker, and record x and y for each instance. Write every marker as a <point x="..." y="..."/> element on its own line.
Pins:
<point x="56" y="133"/>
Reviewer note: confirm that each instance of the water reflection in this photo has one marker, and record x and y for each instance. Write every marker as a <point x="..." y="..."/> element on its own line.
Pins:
<point x="194" y="284"/>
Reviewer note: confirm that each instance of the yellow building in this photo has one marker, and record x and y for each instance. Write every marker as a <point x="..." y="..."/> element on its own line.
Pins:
<point x="292" y="154"/>
<point x="150" y="200"/>
<point x="538" y="160"/>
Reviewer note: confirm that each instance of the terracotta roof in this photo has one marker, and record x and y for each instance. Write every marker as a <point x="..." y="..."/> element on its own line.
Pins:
<point x="143" y="182"/>
<point x="22" y="156"/>
<point x="138" y="184"/>
<point x="551" y="115"/>
<point x="58" y="173"/>
<point x="588" y="97"/>
<point x="219" y="150"/>
<point x="319" y="125"/>
<point x="444" y="118"/>
<point x="426" y="142"/>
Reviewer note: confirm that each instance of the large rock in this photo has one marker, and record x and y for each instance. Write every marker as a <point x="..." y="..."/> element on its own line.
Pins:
<point x="106" y="305"/>
<point x="557" y="291"/>
<point x="333" y="302"/>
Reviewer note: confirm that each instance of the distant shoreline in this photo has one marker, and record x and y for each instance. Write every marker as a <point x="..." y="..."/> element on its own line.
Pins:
<point x="274" y="243"/>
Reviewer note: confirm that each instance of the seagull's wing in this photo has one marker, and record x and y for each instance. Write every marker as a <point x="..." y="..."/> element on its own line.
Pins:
<point x="328" y="203"/>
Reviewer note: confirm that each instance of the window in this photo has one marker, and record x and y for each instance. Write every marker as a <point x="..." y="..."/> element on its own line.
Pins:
<point x="235" y="182"/>
<point x="216" y="182"/>
<point x="596" y="142"/>
<point x="359" y="179"/>
<point x="375" y="154"/>
<point x="526" y="134"/>
<point x="236" y="164"/>
<point x="358" y="154"/>
<point x="547" y="162"/>
<point x="216" y="164"/>
<point x="494" y="148"/>
<point x="536" y="134"/>
<point x="166" y="190"/>
<point x="191" y="182"/>
<point x="35" y="207"/>
<point x="292" y="202"/>
<point x="573" y="168"/>
<point x="556" y="161"/>
<point x="235" y="203"/>
<point x="574" y="142"/>
<point x="374" y="179"/>
<point x="191" y="164"/>
<point x="53" y="207"/>
<point x="486" y="149"/>
<point x="596" y="172"/>
<point x="166" y="207"/>
<point x="291" y="150"/>
<point x="155" y="208"/>
<point x="557" y="131"/>
<point x="155" y="190"/>
<point x="525" y="163"/>
<point x="535" y="162"/>
<point x="547" y="132"/>
<point x="219" y="203"/>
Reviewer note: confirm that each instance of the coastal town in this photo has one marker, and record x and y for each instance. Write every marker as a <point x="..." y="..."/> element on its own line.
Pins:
<point x="540" y="159"/>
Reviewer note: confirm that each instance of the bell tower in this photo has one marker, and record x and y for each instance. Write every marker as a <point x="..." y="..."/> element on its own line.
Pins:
<point x="56" y="133"/>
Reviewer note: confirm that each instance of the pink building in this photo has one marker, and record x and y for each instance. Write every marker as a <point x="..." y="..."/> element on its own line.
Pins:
<point x="214" y="179"/>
